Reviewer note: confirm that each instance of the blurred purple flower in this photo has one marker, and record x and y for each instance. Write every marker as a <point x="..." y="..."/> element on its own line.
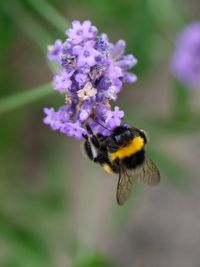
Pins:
<point x="92" y="73"/>
<point x="185" y="63"/>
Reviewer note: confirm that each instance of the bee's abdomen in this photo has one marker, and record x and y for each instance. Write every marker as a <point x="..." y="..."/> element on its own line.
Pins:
<point x="112" y="169"/>
<point x="134" y="160"/>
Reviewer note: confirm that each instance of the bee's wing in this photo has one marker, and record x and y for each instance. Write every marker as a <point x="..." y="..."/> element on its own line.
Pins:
<point x="147" y="173"/>
<point x="125" y="185"/>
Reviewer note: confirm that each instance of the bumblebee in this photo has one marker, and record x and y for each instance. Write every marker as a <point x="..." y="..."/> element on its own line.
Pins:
<point x="122" y="153"/>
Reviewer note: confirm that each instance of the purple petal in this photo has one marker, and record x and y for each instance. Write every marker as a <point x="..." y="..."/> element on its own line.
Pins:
<point x="117" y="50"/>
<point x="127" y="62"/>
<point x="86" y="25"/>
<point x="129" y="77"/>
<point x="76" y="24"/>
<point x="55" y="50"/>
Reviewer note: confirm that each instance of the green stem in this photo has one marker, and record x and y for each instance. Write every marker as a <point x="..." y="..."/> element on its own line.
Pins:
<point x="20" y="99"/>
<point x="26" y="22"/>
<point x="47" y="11"/>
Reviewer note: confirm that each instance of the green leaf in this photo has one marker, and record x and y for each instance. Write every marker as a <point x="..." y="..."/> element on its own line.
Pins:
<point x="23" y="98"/>
<point x="48" y="12"/>
<point x="29" y="25"/>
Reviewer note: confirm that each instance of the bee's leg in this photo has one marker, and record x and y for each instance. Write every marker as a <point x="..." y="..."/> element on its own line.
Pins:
<point x="89" y="130"/>
<point x="93" y="138"/>
<point x="99" y="159"/>
<point x="102" y="158"/>
<point x="85" y="136"/>
<point x="88" y="150"/>
<point x="91" y="146"/>
<point x="95" y="141"/>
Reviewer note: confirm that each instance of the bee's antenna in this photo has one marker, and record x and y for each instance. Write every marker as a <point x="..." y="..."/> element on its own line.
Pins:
<point x="103" y="126"/>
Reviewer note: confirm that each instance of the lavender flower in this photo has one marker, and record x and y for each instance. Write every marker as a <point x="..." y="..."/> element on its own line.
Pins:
<point x="80" y="33"/>
<point x="87" y="92"/>
<point x="92" y="73"/>
<point x="86" y="54"/>
<point x="62" y="81"/>
<point x="114" y="117"/>
<point x="185" y="63"/>
<point x="57" y="119"/>
<point x="55" y="50"/>
<point x="73" y="129"/>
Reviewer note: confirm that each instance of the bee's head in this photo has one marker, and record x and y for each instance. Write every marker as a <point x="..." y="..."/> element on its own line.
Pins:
<point x="123" y="135"/>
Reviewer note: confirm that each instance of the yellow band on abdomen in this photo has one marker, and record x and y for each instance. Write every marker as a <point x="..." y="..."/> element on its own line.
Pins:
<point x="135" y="145"/>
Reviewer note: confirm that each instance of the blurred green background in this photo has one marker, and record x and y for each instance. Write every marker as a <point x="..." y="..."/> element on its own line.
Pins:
<point x="56" y="207"/>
